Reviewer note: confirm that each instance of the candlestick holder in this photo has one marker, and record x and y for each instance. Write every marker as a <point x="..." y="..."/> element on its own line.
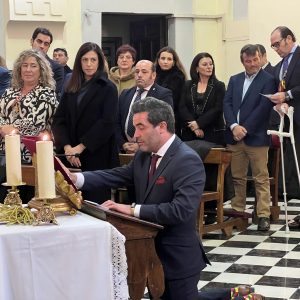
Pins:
<point x="13" y="197"/>
<point x="49" y="206"/>
<point x="45" y="213"/>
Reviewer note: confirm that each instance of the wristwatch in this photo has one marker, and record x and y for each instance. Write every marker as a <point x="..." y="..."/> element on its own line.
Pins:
<point x="286" y="97"/>
<point x="132" y="208"/>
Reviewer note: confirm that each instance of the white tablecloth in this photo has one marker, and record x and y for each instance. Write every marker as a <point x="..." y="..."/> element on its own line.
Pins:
<point x="82" y="258"/>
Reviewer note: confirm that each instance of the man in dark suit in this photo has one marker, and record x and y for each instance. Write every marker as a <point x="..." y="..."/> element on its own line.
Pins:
<point x="246" y="114"/>
<point x="41" y="39"/>
<point x="287" y="75"/>
<point x="4" y="80"/>
<point x="145" y="75"/>
<point x="170" y="196"/>
<point x="264" y="63"/>
<point x="60" y="55"/>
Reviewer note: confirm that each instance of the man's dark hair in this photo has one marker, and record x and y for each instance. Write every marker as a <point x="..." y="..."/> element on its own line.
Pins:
<point x="158" y="111"/>
<point x="261" y="49"/>
<point x="44" y="31"/>
<point x="61" y="49"/>
<point x="249" y="50"/>
<point x="284" y="32"/>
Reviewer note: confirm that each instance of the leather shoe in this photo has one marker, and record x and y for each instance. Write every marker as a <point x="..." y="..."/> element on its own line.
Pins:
<point x="263" y="224"/>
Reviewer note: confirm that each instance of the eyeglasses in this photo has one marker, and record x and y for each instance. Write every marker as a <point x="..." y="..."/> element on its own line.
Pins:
<point x="276" y="45"/>
<point x="127" y="57"/>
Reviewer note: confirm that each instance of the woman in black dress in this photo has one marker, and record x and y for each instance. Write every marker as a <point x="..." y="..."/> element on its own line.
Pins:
<point x="201" y="104"/>
<point x="170" y="74"/>
<point x="85" y="121"/>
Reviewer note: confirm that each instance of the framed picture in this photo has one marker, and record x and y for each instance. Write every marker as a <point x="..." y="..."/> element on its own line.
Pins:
<point x="109" y="48"/>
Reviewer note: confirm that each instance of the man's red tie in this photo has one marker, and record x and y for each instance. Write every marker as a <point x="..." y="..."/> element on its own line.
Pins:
<point x="154" y="159"/>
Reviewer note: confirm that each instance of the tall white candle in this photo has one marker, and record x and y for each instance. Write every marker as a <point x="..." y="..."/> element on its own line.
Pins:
<point x="13" y="159"/>
<point x="45" y="169"/>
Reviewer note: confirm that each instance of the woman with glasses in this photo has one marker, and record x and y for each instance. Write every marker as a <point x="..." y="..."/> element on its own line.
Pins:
<point x="84" y="125"/>
<point x="122" y="75"/>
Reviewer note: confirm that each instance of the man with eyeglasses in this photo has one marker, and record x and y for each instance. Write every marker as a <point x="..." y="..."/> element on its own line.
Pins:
<point x="41" y="39"/>
<point x="287" y="74"/>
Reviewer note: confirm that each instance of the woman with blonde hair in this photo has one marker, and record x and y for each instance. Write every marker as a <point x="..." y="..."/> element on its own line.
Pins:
<point x="28" y="105"/>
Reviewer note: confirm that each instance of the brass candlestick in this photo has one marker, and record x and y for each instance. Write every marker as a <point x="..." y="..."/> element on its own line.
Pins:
<point x="48" y="207"/>
<point x="13" y="197"/>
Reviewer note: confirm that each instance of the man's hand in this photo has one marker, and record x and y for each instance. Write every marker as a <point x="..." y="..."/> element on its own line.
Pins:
<point x="122" y="208"/>
<point x="278" y="97"/>
<point x="130" y="147"/>
<point x="239" y="132"/>
<point x="282" y="108"/>
<point x="70" y="174"/>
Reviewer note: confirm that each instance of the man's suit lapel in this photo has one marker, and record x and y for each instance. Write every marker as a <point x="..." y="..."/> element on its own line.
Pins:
<point x="240" y="84"/>
<point x="162" y="165"/>
<point x="251" y="87"/>
<point x="152" y="91"/>
<point x="292" y="64"/>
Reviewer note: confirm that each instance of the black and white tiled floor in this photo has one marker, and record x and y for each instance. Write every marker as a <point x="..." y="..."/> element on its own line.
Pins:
<point x="270" y="261"/>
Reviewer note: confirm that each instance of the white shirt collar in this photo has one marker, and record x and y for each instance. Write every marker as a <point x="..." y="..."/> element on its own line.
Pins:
<point x="164" y="148"/>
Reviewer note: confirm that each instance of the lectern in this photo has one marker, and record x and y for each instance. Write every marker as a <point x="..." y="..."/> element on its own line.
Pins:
<point x="144" y="267"/>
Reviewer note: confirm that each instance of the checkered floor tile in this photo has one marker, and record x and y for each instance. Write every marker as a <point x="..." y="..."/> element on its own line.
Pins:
<point x="270" y="261"/>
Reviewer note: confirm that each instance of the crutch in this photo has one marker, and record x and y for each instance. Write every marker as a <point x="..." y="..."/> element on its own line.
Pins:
<point x="281" y="134"/>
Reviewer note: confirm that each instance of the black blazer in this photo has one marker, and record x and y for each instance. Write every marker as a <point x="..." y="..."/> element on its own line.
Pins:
<point x="92" y="122"/>
<point x="269" y="68"/>
<point x="211" y="119"/>
<point x="125" y="99"/>
<point x="292" y="82"/>
<point x="58" y="75"/>
<point x="171" y="199"/>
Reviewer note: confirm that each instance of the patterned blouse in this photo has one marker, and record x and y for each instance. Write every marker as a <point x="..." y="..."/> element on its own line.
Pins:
<point x="31" y="113"/>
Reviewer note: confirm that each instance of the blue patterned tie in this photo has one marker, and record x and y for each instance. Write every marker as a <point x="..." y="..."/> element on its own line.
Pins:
<point x="285" y="65"/>
<point x="130" y="127"/>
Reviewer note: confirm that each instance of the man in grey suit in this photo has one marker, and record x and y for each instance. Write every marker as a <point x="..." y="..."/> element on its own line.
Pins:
<point x="168" y="192"/>
<point x="145" y="75"/>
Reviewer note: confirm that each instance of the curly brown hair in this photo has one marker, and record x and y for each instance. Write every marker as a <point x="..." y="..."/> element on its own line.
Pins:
<point x="46" y="74"/>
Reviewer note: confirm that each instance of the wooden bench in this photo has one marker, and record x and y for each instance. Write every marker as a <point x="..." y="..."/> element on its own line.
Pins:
<point x="220" y="157"/>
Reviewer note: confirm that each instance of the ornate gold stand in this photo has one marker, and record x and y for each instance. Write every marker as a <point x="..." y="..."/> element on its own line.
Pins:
<point x="13" y="197"/>
<point x="48" y="207"/>
<point x="57" y="204"/>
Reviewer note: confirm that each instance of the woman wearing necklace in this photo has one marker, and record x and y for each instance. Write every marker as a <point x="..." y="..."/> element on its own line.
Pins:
<point x="201" y="104"/>
<point x="85" y="121"/>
